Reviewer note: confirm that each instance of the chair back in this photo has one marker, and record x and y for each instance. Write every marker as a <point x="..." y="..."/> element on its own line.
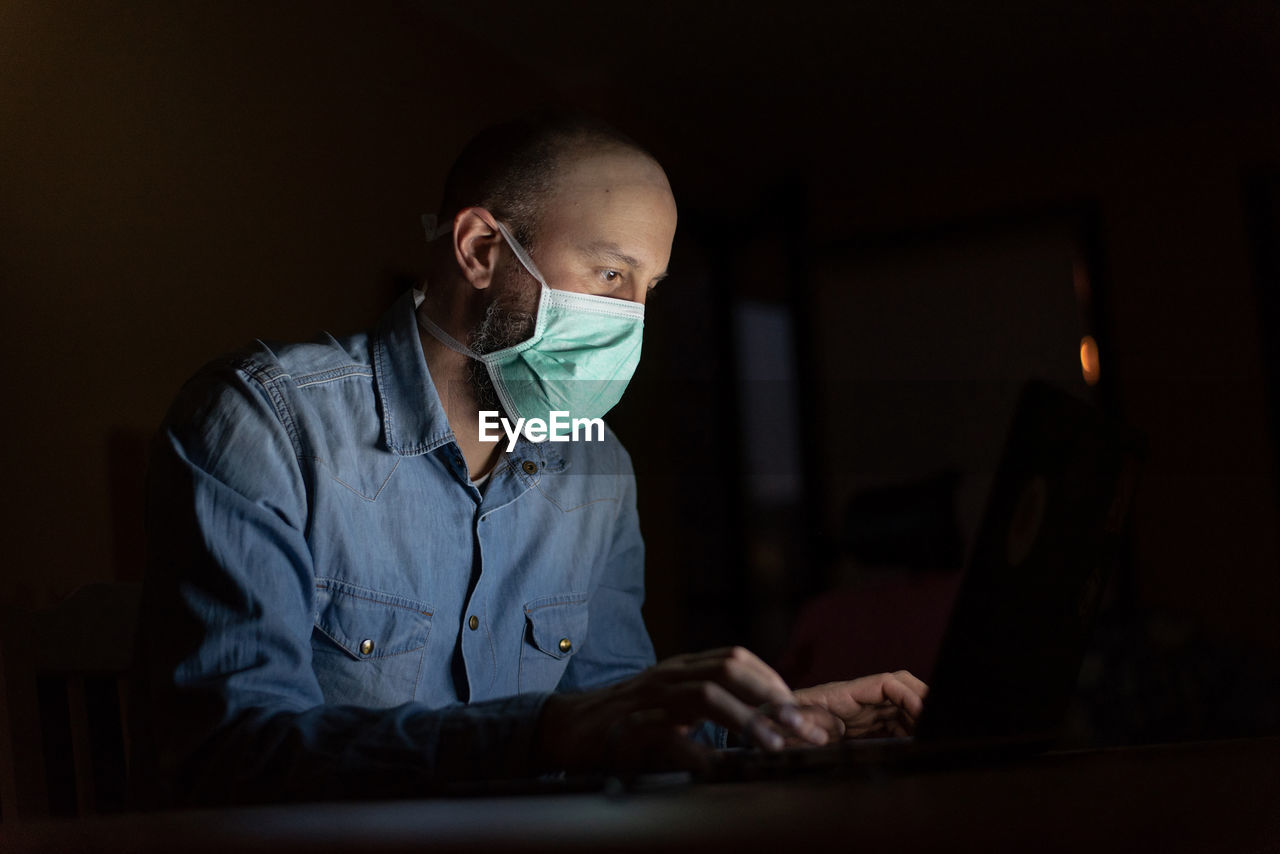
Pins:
<point x="64" y="741"/>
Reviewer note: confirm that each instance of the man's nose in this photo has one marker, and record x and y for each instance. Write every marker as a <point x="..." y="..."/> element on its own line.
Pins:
<point x="639" y="292"/>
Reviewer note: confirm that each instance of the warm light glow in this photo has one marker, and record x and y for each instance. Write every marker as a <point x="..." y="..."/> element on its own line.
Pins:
<point x="1080" y="283"/>
<point x="1089" y="359"/>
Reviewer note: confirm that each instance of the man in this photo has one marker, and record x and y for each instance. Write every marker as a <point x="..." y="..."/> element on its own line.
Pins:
<point x="350" y="592"/>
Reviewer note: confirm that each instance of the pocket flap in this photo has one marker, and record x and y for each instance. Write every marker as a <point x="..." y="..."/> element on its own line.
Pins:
<point x="558" y="624"/>
<point x="369" y="624"/>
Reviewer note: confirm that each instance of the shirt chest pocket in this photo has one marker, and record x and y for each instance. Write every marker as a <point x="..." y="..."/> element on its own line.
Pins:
<point x="367" y="647"/>
<point x="555" y="629"/>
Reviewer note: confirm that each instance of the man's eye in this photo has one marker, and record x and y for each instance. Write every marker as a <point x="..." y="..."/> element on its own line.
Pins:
<point x="611" y="276"/>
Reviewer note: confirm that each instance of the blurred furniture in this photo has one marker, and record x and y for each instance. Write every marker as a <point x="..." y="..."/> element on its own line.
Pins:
<point x="63" y="704"/>
<point x="906" y="542"/>
<point x="890" y="623"/>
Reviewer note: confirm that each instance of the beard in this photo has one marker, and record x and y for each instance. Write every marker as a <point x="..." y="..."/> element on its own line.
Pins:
<point x="508" y="320"/>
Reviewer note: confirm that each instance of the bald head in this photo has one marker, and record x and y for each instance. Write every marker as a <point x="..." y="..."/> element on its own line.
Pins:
<point x="594" y="210"/>
<point x="515" y="168"/>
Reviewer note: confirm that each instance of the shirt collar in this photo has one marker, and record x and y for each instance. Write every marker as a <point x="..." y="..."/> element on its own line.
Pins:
<point x="413" y="419"/>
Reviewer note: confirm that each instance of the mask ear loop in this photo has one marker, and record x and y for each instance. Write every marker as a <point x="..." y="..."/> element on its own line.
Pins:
<point x="434" y="231"/>
<point x="433" y="329"/>
<point x="521" y="255"/>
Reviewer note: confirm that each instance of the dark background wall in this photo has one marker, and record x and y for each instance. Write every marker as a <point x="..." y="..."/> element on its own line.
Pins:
<point x="176" y="178"/>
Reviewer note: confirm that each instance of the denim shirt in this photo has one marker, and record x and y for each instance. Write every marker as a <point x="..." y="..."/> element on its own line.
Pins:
<point x="333" y="607"/>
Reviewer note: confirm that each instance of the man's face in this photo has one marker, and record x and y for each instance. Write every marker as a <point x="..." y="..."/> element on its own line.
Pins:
<point x="607" y="230"/>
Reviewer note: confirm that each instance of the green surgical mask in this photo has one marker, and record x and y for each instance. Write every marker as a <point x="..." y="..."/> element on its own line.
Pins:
<point x="579" y="359"/>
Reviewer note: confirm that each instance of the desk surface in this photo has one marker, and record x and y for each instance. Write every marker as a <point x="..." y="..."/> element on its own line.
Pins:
<point x="1207" y="796"/>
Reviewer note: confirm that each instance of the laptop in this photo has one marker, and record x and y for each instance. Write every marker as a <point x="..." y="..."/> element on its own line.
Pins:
<point x="1010" y="658"/>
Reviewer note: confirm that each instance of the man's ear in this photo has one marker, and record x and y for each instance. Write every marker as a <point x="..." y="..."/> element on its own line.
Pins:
<point x="475" y="245"/>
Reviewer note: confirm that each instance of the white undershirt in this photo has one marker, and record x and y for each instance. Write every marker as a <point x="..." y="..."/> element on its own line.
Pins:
<point x="479" y="482"/>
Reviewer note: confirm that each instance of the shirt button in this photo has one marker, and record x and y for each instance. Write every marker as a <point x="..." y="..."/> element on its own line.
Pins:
<point x="530" y="467"/>
<point x="474" y="622"/>
<point x="366" y="646"/>
<point x="565" y="644"/>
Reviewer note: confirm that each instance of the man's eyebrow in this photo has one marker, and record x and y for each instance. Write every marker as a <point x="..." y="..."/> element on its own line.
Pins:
<point x="610" y="250"/>
<point x="607" y="249"/>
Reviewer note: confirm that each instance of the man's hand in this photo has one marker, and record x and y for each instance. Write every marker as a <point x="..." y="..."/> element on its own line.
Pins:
<point x="887" y="704"/>
<point x="644" y="722"/>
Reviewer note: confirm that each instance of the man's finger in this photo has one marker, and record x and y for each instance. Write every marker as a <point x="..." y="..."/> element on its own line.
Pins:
<point x="741" y="664"/>
<point x="913" y="682"/>
<point x="811" y="725"/>
<point x="897" y="691"/>
<point x="688" y="702"/>
<point x="888" y="716"/>
<point x="737" y="670"/>
<point x="831" y="727"/>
